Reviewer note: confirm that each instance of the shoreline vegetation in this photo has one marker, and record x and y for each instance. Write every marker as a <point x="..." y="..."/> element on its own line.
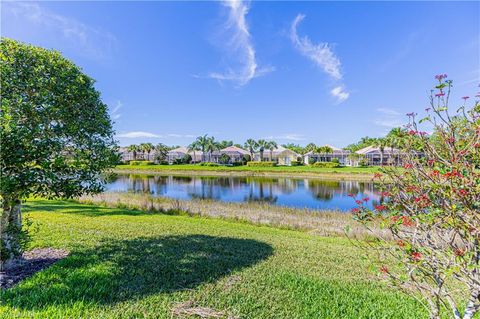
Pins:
<point x="338" y="173"/>
<point x="327" y="223"/>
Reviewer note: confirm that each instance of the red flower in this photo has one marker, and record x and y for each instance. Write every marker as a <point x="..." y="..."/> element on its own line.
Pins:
<point x="377" y="175"/>
<point x="462" y="192"/>
<point x="440" y="76"/>
<point x="407" y="166"/>
<point x="412" y="132"/>
<point x="384" y="269"/>
<point x="431" y="162"/>
<point x="435" y="173"/>
<point x="385" y="193"/>
<point x="380" y="207"/>
<point x="459" y="252"/>
<point x="355" y="210"/>
<point x="359" y="202"/>
<point x="440" y="94"/>
<point x="465" y="97"/>
<point x="451" y="140"/>
<point x="407" y="221"/>
<point x="416" y="256"/>
<point x="366" y="199"/>
<point x="401" y="243"/>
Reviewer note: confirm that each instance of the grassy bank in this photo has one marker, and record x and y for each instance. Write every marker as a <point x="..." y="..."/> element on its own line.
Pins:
<point x="132" y="264"/>
<point x="361" y="173"/>
<point x="319" y="222"/>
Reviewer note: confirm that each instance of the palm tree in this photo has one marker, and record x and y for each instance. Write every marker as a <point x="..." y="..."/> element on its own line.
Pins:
<point x="161" y="151"/>
<point x="381" y="143"/>
<point x="133" y="149"/>
<point x="202" y="142"/>
<point x="323" y="150"/>
<point x="262" y="145"/>
<point x="396" y="139"/>
<point x="251" y="145"/>
<point x="224" y="144"/>
<point x="271" y="145"/>
<point x="194" y="146"/>
<point x="310" y="147"/>
<point x="146" y="148"/>
<point x="211" y="146"/>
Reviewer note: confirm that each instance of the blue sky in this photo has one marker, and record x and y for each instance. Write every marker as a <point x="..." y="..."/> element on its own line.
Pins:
<point x="323" y="72"/>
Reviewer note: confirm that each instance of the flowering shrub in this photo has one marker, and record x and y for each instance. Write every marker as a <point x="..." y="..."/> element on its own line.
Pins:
<point x="431" y="208"/>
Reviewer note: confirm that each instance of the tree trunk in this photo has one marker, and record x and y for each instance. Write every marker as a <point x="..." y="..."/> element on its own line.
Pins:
<point x="10" y="227"/>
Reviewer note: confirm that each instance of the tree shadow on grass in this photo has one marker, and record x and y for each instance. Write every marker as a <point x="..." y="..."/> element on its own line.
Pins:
<point x="121" y="270"/>
<point x="72" y="207"/>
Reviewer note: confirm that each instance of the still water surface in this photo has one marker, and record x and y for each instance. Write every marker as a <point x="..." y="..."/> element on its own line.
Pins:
<point x="292" y="192"/>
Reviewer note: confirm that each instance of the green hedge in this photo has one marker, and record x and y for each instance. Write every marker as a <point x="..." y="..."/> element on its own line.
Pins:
<point x="141" y="163"/>
<point x="326" y="164"/>
<point x="208" y="164"/>
<point x="296" y="163"/>
<point x="262" y="164"/>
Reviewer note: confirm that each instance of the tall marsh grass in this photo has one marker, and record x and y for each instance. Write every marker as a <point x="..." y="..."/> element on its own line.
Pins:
<point x="321" y="222"/>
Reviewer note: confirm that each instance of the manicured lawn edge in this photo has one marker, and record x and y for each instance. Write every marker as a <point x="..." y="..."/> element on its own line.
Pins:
<point x="342" y="173"/>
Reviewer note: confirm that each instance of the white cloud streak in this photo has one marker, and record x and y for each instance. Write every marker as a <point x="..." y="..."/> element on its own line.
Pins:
<point x="115" y="111"/>
<point x="85" y="39"/>
<point x="322" y="55"/>
<point x="240" y="47"/>
<point x="340" y="94"/>
<point x="288" y="137"/>
<point x="142" y="134"/>
<point x="139" y="134"/>
<point x="389" y="118"/>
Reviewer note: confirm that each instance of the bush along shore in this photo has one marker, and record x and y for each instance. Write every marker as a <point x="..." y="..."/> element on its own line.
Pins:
<point x="320" y="222"/>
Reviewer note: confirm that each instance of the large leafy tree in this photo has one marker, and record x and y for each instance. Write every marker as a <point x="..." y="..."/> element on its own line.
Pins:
<point x="55" y="132"/>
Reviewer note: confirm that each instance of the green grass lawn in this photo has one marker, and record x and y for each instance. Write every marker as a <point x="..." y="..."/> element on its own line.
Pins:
<point x="131" y="264"/>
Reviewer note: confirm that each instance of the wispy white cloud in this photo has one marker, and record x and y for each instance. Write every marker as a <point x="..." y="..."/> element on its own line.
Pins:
<point x="87" y="40"/>
<point x="389" y="112"/>
<point x="115" y="110"/>
<point x="288" y="137"/>
<point x="389" y="118"/>
<point x="239" y="47"/>
<point x="142" y="134"/>
<point x="322" y="55"/>
<point x="340" y="94"/>
<point x="139" y="134"/>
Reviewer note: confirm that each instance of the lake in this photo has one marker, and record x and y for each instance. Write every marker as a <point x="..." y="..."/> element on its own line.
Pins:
<point x="292" y="192"/>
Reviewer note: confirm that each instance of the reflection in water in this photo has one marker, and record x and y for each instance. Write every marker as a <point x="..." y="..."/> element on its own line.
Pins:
<point x="309" y="193"/>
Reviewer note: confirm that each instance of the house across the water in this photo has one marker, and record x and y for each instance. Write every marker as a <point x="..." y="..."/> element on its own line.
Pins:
<point x="280" y="155"/>
<point x="337" y="153"/>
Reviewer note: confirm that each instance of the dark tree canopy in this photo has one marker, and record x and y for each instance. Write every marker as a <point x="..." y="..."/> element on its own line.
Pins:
<point x="56" y="134"/>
